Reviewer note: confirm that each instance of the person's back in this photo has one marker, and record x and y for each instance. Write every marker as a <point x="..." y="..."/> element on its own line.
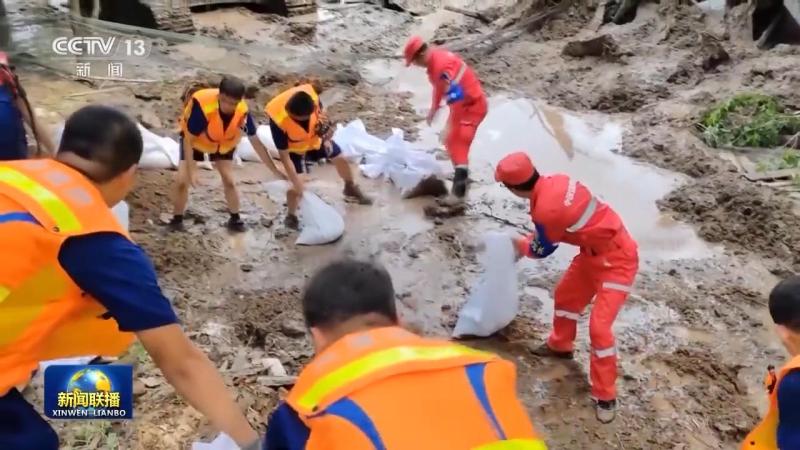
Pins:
<point x="374" y="385"/>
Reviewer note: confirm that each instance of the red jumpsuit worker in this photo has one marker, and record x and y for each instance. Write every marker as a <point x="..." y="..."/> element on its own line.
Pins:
<point x="455" y="81"/>
<point x="564" y="210"/>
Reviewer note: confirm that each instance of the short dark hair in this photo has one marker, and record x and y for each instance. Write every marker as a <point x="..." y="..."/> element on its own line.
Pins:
<point x="232" y="87"/>
<point x="301" y="104"/>
<point x="784" y="303"/>
<point x="770" y="367"/>
<point x="104" y="135"/>
<point x="346" y="289"/>
<point x="527" y="185"/>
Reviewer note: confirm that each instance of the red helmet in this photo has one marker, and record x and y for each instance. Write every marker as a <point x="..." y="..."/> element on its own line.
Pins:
<point x="3" y="58"/>
<point x="412" y="47"/>
<point x="514" y="169"/>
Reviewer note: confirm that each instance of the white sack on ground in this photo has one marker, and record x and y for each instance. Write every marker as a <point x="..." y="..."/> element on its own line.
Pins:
<point x="222" y="442"/>
<point x="158" y="152"/>
<point x="494" y="298"/>
<point x="393" y="158"/>
<point x="320" y="223"/>
<point x="246" y="151"/>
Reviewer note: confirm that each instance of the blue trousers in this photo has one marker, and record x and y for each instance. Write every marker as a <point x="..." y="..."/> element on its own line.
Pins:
<point x="21" y="426"/>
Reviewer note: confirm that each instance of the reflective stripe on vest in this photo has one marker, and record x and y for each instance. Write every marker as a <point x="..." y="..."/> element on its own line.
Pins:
<point x="376" y="361"/>
<point x="765" y="435"/>
<point x="515" y="444"/>
<point x="4" y="291"/>
<point x="58" y="210"/>
<point x="586" y="215"/>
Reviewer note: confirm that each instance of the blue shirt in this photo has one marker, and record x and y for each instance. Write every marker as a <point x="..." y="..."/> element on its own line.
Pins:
<point x="13" y="142"/>
<point x="280" y="137"/>
<point x="197" y="122"/>
<point x="789" y="411"/>
<point x="119" y="275"/>
<point x="285" y="430"/>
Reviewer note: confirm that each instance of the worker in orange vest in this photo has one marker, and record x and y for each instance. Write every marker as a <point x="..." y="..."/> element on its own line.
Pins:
<point x="76" y="284"/>
<point x="374" y="385"/>
<point x="212" y="123"/>
<point x="564" y="210"/>
<point x="303" y="135"/>
<point x="780" y="429"/>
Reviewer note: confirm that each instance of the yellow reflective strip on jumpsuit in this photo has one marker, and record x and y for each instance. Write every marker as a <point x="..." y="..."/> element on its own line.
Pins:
<point x="377" y="361"/>
<point x="59" y="211"/>
<point x="515" y="444"/>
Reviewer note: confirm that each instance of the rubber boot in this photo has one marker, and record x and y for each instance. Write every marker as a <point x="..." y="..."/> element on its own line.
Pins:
<point x="351" y="190"/>
<point x="605" y="411"/>
<point x="547" y="352"/>
<point x="458" y="193"/>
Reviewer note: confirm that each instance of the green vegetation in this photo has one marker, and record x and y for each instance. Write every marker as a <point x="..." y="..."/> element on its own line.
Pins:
<point x="748" y="120"/>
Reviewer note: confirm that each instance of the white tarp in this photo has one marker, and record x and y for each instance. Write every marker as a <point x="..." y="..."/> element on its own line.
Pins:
<point x="320" y="223"/>
<point x="494" y="298"/>
<point x="392" y="158"/>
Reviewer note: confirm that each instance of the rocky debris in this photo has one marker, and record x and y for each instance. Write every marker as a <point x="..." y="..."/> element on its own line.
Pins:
<point x="711" y="53"/>
<point x="293" y="328"/>
<point x="603" y="46"/>
<point x="429" y="187"/>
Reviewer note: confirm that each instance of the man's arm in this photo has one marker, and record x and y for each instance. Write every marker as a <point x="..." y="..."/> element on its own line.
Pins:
<point x="281" y="140"/>
<point x="789" y="411"/>
<point x="121" y="277"/>
<point x="261" y="151"/>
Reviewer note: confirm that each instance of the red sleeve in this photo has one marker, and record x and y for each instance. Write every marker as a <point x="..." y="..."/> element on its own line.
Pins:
<point x="549" y="211"/>
<point x="441" y="63"/>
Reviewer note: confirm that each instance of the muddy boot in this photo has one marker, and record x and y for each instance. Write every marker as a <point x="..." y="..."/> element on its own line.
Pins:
<point x="291" y="222"/>
<point x="176" y="224"/>
<point x="605" y="411"/>
<point x="236" y="224"/>
<point x="547" y="352"/>
<point x="351" y="190"/>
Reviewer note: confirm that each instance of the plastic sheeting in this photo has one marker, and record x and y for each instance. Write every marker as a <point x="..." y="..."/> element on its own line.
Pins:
<point x="392" y="158"/>
<point x="320" y="223"/>
<point x="494" y="298"/>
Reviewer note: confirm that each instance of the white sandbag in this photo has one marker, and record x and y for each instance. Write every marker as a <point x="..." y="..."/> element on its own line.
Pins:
<point x="355" y="142"/>
<point x="122" y="213"/>
<point x="494" y="298"/>
<point x="154" y="154"/>
<point x="221" y="442"/>
<point x="320" y="223"/>
<point x="248" y="153"/>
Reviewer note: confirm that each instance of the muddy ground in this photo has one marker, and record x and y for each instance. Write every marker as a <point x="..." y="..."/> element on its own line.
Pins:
<point x="694" y="337"/>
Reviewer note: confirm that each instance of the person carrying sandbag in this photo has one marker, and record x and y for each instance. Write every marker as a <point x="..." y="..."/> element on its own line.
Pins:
<point x="212" y="123"/>
<point x="302" y="134"/>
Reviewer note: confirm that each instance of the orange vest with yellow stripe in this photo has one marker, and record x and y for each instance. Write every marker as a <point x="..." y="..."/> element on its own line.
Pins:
<point x="387" y="388"/>
<point x="216" y="138"/>
<point x="300" y="139"/>
<point x="765" y="435"/>
<point x="43" y="313"/>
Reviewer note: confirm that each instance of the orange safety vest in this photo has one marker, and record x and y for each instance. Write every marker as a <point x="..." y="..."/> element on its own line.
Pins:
<point x="387" y="388"/>
<point x="43" y="314"/>
<point x="765" y="435"/>
<point x="300" y="139"/>
<point x="215" y="139"/>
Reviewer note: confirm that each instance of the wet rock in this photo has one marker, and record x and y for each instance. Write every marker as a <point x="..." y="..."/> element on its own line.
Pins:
<point x="712" y="54"/>
<point x="603" y="45"/>
<point x="138" y="388"/>
<point x="293" y="328"/>
<point x="246" y="267"/>
<point x="266" y="222"/>
<point x="431" y="186"/>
